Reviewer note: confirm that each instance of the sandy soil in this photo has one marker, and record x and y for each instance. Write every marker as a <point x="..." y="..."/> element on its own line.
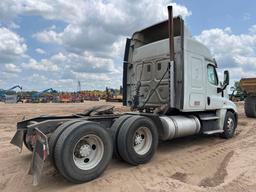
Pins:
<point x="197" y="163"/>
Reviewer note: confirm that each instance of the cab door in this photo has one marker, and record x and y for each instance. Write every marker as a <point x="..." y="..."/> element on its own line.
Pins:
<point x="213" y="98"/>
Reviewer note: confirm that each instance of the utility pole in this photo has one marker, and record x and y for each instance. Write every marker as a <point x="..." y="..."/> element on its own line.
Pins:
<point x="78" y="86"/>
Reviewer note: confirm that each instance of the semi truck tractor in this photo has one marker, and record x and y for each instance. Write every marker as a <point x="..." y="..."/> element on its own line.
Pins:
<point x="248" y="85"/>
<point x="171" y="84"/>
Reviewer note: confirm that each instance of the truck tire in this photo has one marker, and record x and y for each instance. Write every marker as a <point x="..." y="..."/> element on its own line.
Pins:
<point x="250" y="106"/>
<point x="229" y="125"/>
<point x="83" y="151"/>
<point x="114" y="132"/>
<point x="137" y="140"/>
<point x="55" y="135"/>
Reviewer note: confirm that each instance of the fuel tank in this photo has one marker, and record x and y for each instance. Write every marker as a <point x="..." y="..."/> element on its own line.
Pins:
<point x="179" y="126"/>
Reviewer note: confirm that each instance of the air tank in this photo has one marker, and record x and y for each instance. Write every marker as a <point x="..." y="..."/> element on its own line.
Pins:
<point x="179" y="126"/>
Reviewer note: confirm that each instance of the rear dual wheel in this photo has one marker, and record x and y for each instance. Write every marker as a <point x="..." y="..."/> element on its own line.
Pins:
<point x="55" y="136"/>
<point x="137" y="140"/>
<point x="114" y="133"/>
<point x="83" y="151"/>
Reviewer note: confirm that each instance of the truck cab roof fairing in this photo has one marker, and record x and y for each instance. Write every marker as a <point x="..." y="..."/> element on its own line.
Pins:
<point x="156" y="32"/>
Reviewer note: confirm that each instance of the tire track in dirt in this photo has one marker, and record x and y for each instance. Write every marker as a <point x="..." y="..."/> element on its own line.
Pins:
<point x="243" y="182"/>
<point x="171" y="168"/>
<point x="220" y="174"/>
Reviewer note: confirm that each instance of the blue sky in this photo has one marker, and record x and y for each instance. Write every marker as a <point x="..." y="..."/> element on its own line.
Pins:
<point x="29" y="25"/>
<point x="56" y="43"/>
<point x="238" y="14"/>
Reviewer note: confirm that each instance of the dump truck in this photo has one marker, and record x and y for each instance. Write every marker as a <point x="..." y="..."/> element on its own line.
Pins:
<point x="249" y="86"/>
<point x="171" y="84"/>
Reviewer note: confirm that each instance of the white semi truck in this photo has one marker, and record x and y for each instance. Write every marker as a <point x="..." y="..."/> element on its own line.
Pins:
<point x="171" y="84"/>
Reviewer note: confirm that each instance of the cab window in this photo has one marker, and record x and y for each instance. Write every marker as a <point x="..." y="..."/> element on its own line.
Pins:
<point x="212" y="75"/>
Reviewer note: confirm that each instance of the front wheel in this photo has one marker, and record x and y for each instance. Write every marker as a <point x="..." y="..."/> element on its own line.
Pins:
<point x="83" y="151"/>
<point x="137" y="140"/>
<point x="229" y="125"/>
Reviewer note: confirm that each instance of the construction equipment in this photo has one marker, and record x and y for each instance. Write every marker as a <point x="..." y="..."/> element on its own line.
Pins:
<point x="9" y="95"/>
<point x="249" y="86"/>
<point x="36" y="96"/>
<point x="14" y="87"/>
<point x="171" y="84"/>
<point x="2" y="94"/>
<point x="237" y="93"/>
<point x="113" y="95"/>
<point x="64" y="98"/>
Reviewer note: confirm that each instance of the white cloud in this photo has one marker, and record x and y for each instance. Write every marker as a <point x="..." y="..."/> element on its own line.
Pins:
<point x="40" y="51"/>
<point x="237" y="53"/>
<point x="48" y="36"/>
<point x="59" y="9"/>
<point x="252" y="29"/>
<point x="91" y="76"/>
<point x="93" y="39"/>
<point x="37" y="78"/>
<point x="180" y="10"/>
<point x="87" y="67"/>
<point x="12" y="46"/>
<point x="46" y="82"/>
<point x="13" y="25"/>
<point x="12" y="68"/>
<point x="113" y="11"/>
<point x="43" y="65"/>
<point x="98" y="24"/>
<point x="86" y="62"/>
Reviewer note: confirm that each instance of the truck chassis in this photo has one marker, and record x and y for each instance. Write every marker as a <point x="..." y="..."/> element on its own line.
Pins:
<point x="81" y="145"/>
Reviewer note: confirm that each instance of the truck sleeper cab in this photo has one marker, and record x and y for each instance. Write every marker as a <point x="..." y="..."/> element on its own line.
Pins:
<point x="171" y="84"/>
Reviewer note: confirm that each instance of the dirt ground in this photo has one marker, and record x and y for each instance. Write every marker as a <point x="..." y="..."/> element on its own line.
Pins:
<point x="197" y="163"/>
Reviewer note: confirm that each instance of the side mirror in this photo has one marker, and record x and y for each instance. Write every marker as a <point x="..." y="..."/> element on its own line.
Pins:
<point x="226" y="79"/>
<point x="225" y="82"/>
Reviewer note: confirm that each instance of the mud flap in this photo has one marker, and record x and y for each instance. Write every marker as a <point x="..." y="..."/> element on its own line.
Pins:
<point x="40" y="153"/>
<point x="17" y="139"/>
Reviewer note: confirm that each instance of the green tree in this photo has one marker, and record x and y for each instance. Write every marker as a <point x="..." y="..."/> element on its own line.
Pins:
<point x="237" y="92"/>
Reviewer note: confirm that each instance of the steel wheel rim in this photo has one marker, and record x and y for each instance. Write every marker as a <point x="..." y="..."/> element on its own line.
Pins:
<point x="142" y="140"/>
<point x="230" y="124"/>
<point x="88" y="152"/>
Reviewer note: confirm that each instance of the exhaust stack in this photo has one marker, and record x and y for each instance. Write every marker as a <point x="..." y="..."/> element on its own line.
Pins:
<point x="170" y="27"/>
<point x="172" y="62"/>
